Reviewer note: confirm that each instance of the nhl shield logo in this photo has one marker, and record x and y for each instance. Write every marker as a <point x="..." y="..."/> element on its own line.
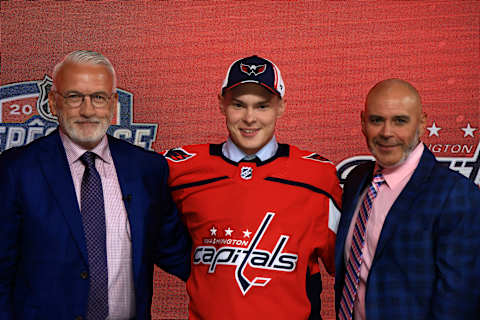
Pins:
<point x="42" y="102"/>
<point x="246" y="173"/>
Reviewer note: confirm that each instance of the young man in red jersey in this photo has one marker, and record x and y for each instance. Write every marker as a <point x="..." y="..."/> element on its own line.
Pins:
<point x="260" y="213"/>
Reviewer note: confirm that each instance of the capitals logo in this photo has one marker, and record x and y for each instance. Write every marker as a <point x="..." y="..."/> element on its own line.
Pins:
<point x="178" y="155"/>
<point x="251" y="256"/>
<point x="317" y="157"/>
<point x="253" y="69"/>
<point x="462" y="155"/>
<point x="25" y="115"/>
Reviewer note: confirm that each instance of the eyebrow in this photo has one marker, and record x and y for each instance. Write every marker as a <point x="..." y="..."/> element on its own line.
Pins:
<point x="85" y="94"/>
<point x="258" y="103"/>
<point x="395" y="117"/>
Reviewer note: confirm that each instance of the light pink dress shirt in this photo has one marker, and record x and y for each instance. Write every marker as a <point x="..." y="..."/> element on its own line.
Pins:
<point x="396" y="178"/>
<point x="121" y="294"/>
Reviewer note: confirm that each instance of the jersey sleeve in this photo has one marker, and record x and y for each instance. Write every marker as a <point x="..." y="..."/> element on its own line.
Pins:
<point x="332" y="207"/>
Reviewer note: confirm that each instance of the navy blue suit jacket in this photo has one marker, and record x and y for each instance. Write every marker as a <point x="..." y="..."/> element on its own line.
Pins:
<point x="427" y="262"/>
<point x="43" y="257"/>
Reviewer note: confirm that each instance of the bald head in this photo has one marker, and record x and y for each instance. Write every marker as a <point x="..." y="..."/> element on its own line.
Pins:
<point x="392" y="121"/>
<point x="394" y="88"/>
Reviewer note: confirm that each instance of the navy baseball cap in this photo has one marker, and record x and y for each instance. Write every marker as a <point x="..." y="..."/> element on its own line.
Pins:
<point x="254" y="70"/>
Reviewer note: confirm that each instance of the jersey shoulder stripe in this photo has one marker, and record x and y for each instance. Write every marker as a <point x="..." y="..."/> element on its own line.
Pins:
<point x="197" y="183"/>
<point x="302" y="185"/>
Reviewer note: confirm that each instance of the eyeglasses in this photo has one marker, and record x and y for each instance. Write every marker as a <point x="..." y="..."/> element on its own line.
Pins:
<point x="74" y="100"/>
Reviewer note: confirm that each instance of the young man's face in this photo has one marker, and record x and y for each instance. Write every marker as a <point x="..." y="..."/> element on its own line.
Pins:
<point x="251" y="113"/>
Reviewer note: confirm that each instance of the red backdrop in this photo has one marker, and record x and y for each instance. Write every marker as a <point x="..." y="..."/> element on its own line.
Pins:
<point x="172" y="56"/>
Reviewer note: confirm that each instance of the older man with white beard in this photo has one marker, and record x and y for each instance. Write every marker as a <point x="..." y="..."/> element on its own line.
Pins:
<point x="84" y="215"/>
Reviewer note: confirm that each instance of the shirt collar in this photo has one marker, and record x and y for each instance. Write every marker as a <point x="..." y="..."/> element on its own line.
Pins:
<point x="393" y="176"/>
<point x="232" y="152"/>
<point x="74" y="151"/>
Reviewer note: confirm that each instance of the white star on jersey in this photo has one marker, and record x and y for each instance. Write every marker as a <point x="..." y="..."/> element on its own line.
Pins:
<point x="433" y="130"/>
<point x="468" y="131"/>
<point x="228" y="232"/>
<point x="246" y="233"/>
<point x="213" y="231"/>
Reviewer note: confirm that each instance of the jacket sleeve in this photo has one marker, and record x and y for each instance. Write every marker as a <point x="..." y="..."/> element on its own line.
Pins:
<point x="457" y="292"/>
<point x="10" y="219"/>
<point x="173" y="243"/>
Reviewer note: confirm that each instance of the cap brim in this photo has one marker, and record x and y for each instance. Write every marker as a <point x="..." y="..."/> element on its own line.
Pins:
<point x="263" y="85"/>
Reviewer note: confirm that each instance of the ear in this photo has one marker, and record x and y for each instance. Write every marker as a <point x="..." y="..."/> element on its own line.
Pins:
<point x="115" y="99"/>
<point x="422" y="124"/>
<point x="281" y="108"/>
<point x="362" y="120"/>
<point x="221" y="104"/>
<point x="52" y="103"/>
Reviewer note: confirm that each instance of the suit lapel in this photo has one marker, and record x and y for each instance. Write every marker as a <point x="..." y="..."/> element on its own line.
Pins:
<point x="401" y="207"/>
<point x="127" y="180"/>
<point x="54" y="163"/>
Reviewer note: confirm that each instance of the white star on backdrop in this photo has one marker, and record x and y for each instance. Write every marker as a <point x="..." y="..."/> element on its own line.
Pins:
<point x="246" y="233"/>
<point x="213" y="231"/>
<point x="228" y="232"/>
<point x="468" y="131"/>
<point x="433" y="130"/>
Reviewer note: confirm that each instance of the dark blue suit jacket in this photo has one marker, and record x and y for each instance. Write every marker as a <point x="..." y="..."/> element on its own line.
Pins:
<point x="43" y="257"/>
<point x="427" y="262"/>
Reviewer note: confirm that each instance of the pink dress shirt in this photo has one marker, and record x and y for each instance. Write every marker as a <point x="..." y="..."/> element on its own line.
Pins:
<point x="396" y="178"/>
<point x="121" y="294"/>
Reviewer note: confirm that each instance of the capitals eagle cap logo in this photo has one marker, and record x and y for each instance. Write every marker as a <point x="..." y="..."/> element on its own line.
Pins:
<point x="253" y="69"/>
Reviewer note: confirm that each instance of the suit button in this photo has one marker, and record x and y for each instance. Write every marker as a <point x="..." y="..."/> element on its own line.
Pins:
<point x="83" y="275"/>
<point x="79" y="318"/>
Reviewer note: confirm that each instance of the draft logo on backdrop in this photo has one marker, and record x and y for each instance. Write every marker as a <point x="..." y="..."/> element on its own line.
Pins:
<point x="25" y="116"/>
<point x="457" y="148"/>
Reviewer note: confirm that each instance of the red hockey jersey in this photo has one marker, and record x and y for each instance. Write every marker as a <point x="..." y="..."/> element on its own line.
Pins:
<point x="258" y="230"/>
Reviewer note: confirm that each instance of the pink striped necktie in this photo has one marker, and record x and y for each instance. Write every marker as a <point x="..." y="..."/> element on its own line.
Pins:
<point x="352" y="274"/>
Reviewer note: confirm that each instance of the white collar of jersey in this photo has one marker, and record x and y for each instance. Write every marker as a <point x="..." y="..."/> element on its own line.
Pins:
<point x="232" y="152"/>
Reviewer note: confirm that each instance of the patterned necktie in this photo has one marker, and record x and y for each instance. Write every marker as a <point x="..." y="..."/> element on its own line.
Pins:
<point x="93" y="217"/>
<point x="352" y="274"/>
